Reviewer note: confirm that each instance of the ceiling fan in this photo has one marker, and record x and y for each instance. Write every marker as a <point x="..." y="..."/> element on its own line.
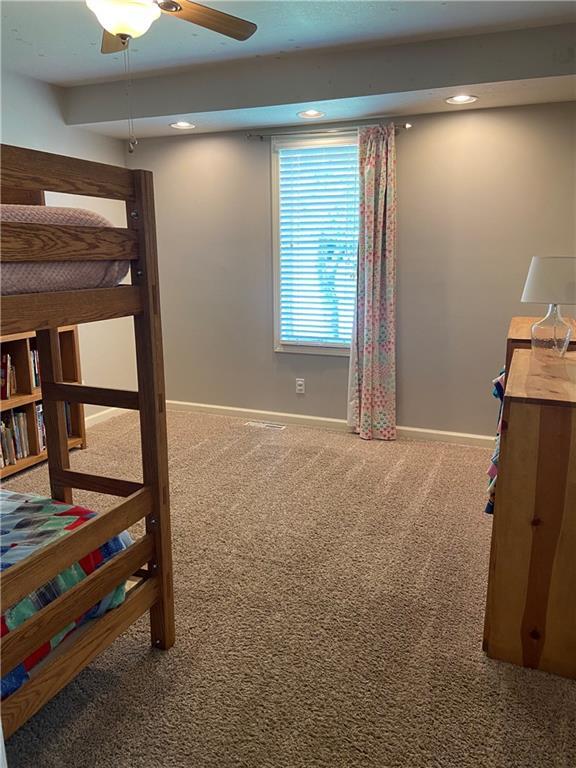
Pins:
<point x="125" y="19"/>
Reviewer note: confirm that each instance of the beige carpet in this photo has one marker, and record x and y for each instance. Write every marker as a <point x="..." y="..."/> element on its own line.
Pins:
<point x="329" y="599"/>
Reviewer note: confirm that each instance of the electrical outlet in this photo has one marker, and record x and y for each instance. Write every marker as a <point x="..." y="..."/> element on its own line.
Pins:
<point x="300" y="387"/>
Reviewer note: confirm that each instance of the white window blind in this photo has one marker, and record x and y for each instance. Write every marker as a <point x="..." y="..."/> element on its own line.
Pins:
<point x="317" y="193"/>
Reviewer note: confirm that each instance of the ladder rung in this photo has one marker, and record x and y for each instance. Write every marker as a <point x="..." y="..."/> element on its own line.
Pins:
<point x="79" y="393"/>
<point x="111" y="485"/>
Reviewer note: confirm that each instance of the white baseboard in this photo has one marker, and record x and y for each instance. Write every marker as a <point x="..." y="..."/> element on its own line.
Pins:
<point x="300" y="419"/>
<point x="461" y="438"/>
<point x="100" y="416"/>
<point x="409" y="433"/>
<point x="249" y="413"/>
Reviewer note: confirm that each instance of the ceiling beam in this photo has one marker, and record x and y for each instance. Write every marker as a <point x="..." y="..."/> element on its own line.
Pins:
<point x="327" y="74"/>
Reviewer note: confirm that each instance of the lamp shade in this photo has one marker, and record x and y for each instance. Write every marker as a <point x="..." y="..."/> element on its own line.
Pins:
<point x="125" y="17"/>
<point x="551" y="280"/>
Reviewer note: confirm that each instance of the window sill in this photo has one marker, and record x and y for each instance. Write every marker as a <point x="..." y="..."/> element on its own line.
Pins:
<point x="312" y="349"/>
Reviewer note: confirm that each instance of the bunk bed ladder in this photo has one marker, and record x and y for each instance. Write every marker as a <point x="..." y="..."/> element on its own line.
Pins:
<point x="149" y="400"/>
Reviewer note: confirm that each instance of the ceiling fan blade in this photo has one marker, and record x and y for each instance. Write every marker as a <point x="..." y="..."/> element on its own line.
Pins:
<point x="217" y="21"/>
<point x="112" y="43"/>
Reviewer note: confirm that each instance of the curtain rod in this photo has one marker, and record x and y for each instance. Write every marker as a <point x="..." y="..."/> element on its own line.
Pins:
<point x="268" y="133"/>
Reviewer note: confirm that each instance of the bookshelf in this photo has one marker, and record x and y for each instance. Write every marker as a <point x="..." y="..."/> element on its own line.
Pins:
<point x="25" y="396"/>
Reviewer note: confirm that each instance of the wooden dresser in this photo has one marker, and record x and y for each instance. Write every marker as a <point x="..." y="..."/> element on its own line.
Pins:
<point x="531" y="604"/>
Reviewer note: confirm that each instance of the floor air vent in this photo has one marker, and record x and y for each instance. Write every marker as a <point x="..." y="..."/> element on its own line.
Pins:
<point x="264" y="425"/>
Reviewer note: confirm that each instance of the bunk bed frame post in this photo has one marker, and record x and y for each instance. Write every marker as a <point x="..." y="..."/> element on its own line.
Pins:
<point x="50" y="360"/>
<point x="150" y="366"/>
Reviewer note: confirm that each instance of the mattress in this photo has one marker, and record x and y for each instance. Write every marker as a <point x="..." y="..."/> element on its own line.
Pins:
<point x="36" y="276"/>
<point x="28" y="523"/>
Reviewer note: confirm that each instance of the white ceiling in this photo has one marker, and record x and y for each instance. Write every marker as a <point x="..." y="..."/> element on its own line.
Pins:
<point x="395" y="105"/>
<point x="59" y="41"/>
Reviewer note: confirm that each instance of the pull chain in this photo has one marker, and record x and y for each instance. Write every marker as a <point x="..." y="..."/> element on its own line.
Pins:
<point x="132" y="140"/>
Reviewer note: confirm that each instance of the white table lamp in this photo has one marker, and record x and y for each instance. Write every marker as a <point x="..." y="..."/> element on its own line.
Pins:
<point x="551" y="280"/>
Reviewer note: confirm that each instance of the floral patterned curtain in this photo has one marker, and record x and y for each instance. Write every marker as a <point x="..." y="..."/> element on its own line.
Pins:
<point x="372" y="378"/>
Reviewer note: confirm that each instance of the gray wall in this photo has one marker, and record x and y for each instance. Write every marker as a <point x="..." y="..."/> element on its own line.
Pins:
<point x="480" y="193"/>
<point x="31" y="117"/>
<point x="213" y="208"/>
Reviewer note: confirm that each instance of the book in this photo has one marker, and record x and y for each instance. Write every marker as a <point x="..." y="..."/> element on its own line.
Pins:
<point x="14" y="436"/>
<point x="35" y="368"/>
<point x="68" y="419"/>
<point x="12" y="381"/>
<point x="11" y="446"/>
<point x="22" y="418"/>
<point x="5" y="376"/>
<point x="7" y="442"/>
<point x="4" y="443"/>
<point x="8" y="383"/>
<point x="41" y="427"/>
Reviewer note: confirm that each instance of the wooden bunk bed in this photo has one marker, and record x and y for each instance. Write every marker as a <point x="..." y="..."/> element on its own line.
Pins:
<point x="147" y="563"/>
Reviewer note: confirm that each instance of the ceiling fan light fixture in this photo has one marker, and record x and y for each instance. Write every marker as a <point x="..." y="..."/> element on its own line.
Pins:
<point x="125" y="18"/>
<point x="169" y="6"/>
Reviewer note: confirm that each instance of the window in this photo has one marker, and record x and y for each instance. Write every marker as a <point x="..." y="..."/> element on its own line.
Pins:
<point x="316" y="197"/>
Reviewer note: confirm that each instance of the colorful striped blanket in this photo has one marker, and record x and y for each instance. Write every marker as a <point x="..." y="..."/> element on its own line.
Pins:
<point x="28" y="523"/>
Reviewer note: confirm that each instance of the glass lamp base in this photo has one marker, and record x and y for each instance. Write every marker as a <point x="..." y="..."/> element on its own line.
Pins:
<point x="551" y="335"/>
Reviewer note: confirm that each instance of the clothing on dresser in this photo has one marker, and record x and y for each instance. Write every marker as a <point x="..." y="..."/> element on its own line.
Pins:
<point x="498" y="385"/>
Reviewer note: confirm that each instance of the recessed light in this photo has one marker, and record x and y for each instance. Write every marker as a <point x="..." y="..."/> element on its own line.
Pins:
<point x="463" y="98"/>
<point x="407" y="126"/>
<point x="310" y="114"/>
<point x="182" y="125"/>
